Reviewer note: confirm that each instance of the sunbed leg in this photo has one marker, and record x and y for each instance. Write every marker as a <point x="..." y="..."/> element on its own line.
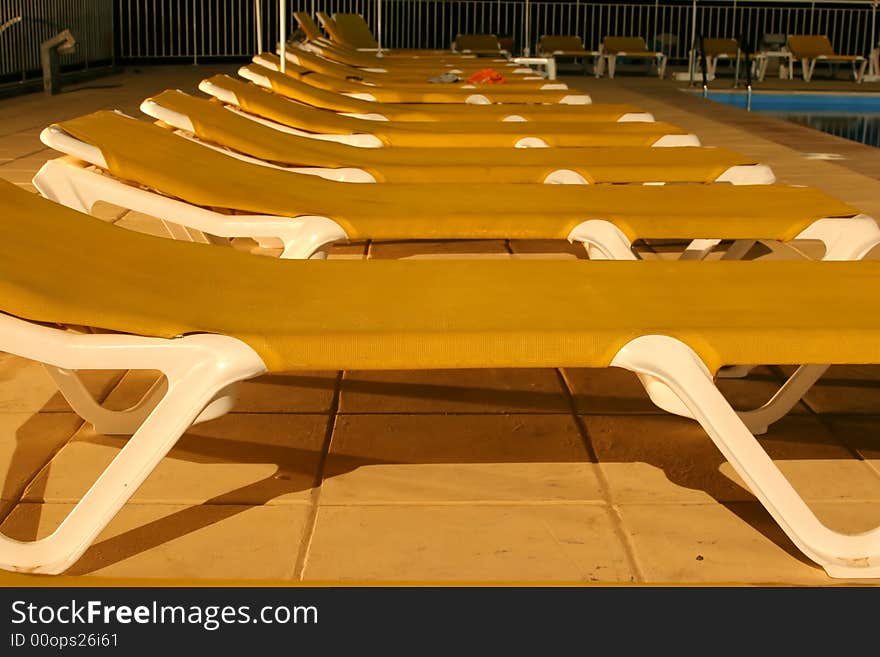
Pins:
<point x="670" y="365"/>
<point x="199" y="369"/>
<point x="698" y="249"/>
<point x="785" y="399"/>
<point x="105" y="421"/>
<point x="611" y="63"/>
<point x="602" y="240"/>
<point x="845" y="239"/>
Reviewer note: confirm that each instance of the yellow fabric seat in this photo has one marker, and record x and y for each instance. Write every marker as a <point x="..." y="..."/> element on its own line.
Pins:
<point x="351" y="30"/>
<point x="564" y="46"/>
<point x="629" y="46"/>
<point x="428" y="314"/>
<point x="155" y="158"/>
<point x="277" y="107"/>
<point x="811" y="46"/>
<point x="215" y="124"/>
<point x="478" y="44"/>
<point x="419" y="93"/>
<point x="298" y="90"/>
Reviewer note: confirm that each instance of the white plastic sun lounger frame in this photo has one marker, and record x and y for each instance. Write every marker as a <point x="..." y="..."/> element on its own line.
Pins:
<point x="749" y="174"/>
<point x="808" y="66"/>
<point x="202" y="372"/>
<point x="473" y="99"/>
<point x="72" y="183"/>
<point x="226" y="96"/>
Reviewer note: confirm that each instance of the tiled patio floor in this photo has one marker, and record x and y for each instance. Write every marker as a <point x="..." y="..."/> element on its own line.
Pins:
<point x="486" y="475"/>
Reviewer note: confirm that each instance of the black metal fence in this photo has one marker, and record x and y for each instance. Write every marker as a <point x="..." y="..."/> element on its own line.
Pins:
<point x="24" y="24"/>
<point x="174" y="30"/>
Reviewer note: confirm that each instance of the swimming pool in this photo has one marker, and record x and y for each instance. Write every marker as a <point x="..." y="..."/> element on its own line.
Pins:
<point x="851" y="116"/>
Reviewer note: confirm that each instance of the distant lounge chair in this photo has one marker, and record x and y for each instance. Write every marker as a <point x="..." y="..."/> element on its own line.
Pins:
<point x="716" y="49"/>
<point x="572" y="47"/>
<point x="481" y="45"/>
<point x="812" y="48"/>
<point x="632" y="48"/>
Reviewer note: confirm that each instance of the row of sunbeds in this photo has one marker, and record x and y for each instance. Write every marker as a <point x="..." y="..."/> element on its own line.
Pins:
<point x="808" y="50"/>
<point x="286" y="160"/>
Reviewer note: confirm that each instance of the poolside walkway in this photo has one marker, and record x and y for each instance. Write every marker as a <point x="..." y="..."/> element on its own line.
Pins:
<point x="487" y="475"/>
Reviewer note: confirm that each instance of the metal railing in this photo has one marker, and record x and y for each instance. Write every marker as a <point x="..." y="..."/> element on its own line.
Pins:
<point x="165" y="30"/>
<point x="90" y="21"/>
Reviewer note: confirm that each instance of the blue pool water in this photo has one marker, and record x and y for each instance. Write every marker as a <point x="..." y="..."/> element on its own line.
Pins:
<point x="851" y="116"/>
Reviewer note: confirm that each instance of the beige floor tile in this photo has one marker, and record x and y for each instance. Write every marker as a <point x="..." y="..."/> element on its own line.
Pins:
<point x="847" y="389"/>
<point x="26" y="387"/>
<point x="302" y="392"/>
<point x="172" y="541"/>
<point x="27" y="443"/>
<point x="608" y="390"/>
<point x="710" y="543"/>
<point x="614" y="390"/>
<point x="385" y="250"/>
<point x="552" y="247"/>
<point x="860" y="433"/>
<point x="457" y="458"/>
<point x="463" y="543"/>
<point x="453" y="391"/>
<point x="237" y="459"/>
<point x="670" y="459"/>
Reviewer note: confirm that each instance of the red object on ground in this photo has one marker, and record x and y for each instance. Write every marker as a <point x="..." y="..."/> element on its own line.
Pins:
<point x="486" y="76"/>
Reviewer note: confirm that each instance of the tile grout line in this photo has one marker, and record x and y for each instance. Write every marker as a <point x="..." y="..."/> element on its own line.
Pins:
<point x="604" y="486"/>
<point x="315" y="496"/>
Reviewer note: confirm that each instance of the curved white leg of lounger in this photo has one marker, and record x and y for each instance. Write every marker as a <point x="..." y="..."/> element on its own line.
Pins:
<point x="513" y="118"/>
<point x="636" y="117"/>
<point x="531" y="142"/>
<point x="198" y="368"/>
<point x="565" y="177"/>
<point x="785" y="399"/>
<point x="555" y="86"/>
<point x="676" y="141"/>
<point x="602" y="240"/>
<point x="576" y="99"/>
<point x="749" y="174"/>
<point x="675" y="365"/>
<point x="477" y="99"/>
<point x="698" y="249"/>
<point x="105" y="421"/>
<point x="845" y="239"/>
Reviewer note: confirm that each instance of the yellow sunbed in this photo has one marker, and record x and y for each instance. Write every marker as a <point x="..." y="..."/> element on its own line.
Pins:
<point x="479" y="44"/>
<point x="212" y="123"/>
<point x="352" y="31"/>
<point x="632" y="48"/>
<point x="298" y="90"/>
<point x="812" y="48"/>
<point x="277" y="108"/>
<point x="231" y="316"/>
<point x="427" y="93"/>
<point x="156" y="159"/>
<point x="412" y="78"/>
